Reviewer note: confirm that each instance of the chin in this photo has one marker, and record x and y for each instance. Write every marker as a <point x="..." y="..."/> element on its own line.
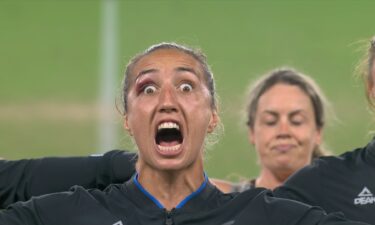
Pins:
<point x="285" y="165"/>
<point x="169" y="165"/>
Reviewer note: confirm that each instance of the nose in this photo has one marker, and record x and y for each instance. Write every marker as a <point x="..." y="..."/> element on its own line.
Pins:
<point x="284" y="129"/>
<point x="167" y="100"/>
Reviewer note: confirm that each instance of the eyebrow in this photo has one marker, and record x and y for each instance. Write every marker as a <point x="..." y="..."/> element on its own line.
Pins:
<point x="178" y="69"/>
<point x="292" y="113"/>
<point x="143" y="72"/>
<point x="186" y="69"/>
<point x="273" y="113"/>
<point x="295" y="112"/>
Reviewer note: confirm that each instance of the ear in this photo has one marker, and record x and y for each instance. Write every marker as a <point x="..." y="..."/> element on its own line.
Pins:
<point x="213" y="122"/>
<point x="369" y="89"/>
<point x="371" y="95"/>
<point x="319" y="135"/>
<point x="251" y="135"/>
<point x="126" y="125"/>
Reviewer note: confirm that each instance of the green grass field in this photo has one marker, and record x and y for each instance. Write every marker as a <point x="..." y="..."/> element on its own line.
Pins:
<point x="49" y="73"/>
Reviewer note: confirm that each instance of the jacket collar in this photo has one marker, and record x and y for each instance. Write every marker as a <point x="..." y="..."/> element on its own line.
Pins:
<point x="207" y="193"/>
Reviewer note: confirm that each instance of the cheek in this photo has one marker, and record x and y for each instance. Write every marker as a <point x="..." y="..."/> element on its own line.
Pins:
<point x="307" y="136"/>
<point x="196" y="101"/>
<point x="137" y="116"/>
<point x="262" y="135"/>
<point x="196" y="107"/>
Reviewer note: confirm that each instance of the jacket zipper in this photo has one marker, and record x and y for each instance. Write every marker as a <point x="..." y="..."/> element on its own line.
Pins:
<point x="169" y="217"/>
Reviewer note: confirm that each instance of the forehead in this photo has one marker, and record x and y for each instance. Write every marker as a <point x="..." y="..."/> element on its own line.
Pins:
<point x="167" y="59"/>
<point x="284" y="97"/>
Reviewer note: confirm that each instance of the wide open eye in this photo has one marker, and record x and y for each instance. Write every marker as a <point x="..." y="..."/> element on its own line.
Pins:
<point x="149" y="89"/>
<point x="186" y="87"/>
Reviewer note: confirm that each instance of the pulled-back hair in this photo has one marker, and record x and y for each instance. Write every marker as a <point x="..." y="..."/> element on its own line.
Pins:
<point x="365" y="71"/>
<point x="195" y="53"/>
<point x="294" y="78"/>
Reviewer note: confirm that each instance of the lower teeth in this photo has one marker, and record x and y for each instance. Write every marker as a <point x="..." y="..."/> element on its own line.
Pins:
<point x="169" y="148"/>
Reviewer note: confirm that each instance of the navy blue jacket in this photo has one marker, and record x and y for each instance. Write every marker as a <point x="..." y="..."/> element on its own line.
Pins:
<point x="130" y="204"/>
<point x="22" y="179"/>
<point x="344" y="183"/>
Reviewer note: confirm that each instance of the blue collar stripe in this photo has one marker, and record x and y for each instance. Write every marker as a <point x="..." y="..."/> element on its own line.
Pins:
<point x="199" y="190"/>
<point x="135" y="179"/>
<point x="181" y="204"/>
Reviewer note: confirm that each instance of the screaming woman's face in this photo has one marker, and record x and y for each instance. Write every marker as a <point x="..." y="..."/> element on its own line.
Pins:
<point x="169" y="110"/>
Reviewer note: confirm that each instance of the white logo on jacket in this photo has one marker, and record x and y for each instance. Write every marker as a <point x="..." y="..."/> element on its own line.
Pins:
<point x="118" y="223"/>
<point x="364" y="197"/>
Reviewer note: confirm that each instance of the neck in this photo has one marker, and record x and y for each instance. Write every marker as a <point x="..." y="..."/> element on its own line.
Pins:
<point x="270" y="179"/>
<point x="170" y="187"/>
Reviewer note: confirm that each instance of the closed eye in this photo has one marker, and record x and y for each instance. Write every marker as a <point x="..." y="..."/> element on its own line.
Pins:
<point x="296" y="122"/>
<point x="270" y="123"/>
<point x="296" y="118"/>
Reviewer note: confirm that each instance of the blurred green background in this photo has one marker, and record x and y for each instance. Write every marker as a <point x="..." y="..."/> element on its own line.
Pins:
<point x="50" y="62"/>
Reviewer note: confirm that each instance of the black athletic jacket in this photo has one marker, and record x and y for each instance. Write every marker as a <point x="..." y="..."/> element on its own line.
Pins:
<point x="345" y="183"/>
<point x="22" y="179"/>
<point x="130" y="204"/>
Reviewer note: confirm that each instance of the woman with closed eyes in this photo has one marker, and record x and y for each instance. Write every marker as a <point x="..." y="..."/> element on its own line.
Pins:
<point x="285" y="118"/>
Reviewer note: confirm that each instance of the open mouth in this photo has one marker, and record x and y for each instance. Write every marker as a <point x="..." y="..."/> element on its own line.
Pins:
<point x="168" y="136"/>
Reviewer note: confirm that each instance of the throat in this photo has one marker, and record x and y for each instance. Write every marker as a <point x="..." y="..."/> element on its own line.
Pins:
<point x="170" y="189"/>
<point x="271" y="180"/>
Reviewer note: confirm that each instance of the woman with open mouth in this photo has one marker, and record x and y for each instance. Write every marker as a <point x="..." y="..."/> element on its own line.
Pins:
<point x="169" y="108"/>
<point x="286" y="137"/>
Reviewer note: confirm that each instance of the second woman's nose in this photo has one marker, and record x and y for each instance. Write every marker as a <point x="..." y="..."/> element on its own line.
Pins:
<point x="283" y="129"/>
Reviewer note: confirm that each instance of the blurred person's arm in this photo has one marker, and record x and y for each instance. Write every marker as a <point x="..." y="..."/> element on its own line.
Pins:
<point x="229" y="187"/>
<point x="223" y="185"/>
<point x="303" y="186"/>
<point x="22" y="179"/>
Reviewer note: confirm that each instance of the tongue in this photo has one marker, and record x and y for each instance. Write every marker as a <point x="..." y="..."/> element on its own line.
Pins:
<point x="168" y="143"/>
